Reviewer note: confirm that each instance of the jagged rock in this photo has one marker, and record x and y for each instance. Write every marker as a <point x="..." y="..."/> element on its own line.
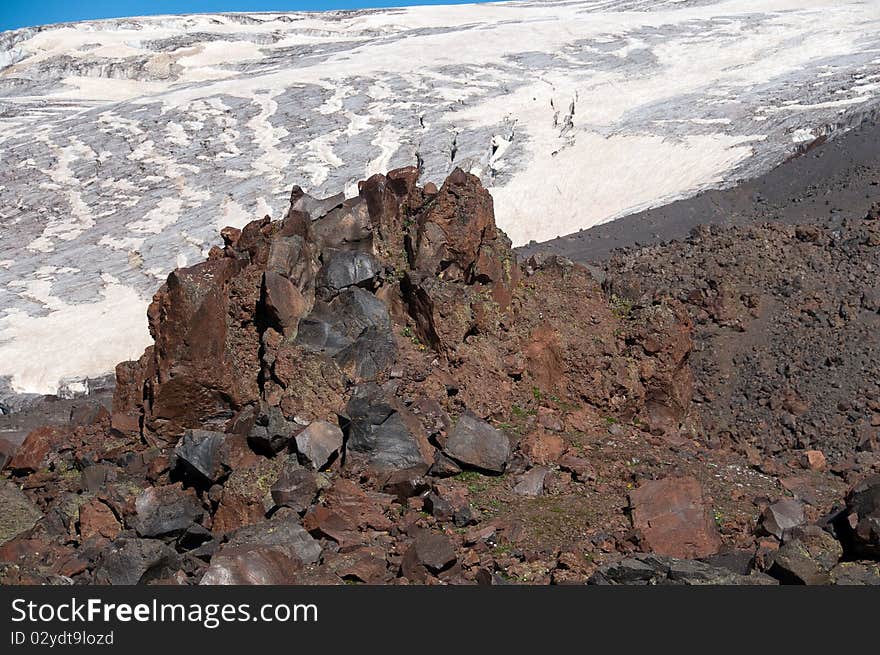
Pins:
<point x="319" y="442"/>
<point x="429" y="553"/>
<point x="189" y="370"/>
<point x="475" y="443"/>
<point x="782" y="516"/>
<point x="253" y="564"/>
<point x="135" y="561"/>
<point x="272" y="432"/>
<point x="457" y="239"/>
<point x="363" y="564"/>
<point x="863" y="518"/>
<point x="369" y="355"/>
<point x="443" y="467"/>
<point x="332" y="326"/>
<point x="531" y="483"/>
<point x="354" y="328"/>
<point x="449" y="502"/>
<point x="96" y="518"/>
<point x="673" y="518"/>
<point x="405" y="483"/>
<point x="17" y="512"/>
<point x="579" y="467"/>
<point x="346" y="225"/>
<point x="163" y="511"/>
<point x="282" y="531"/>
<point x="807" y="559"/>
<point x="32" y="454"/>
<point x="285" y="304"/>
<point x="347" y="510"/>
<point x="659" y="570"/>
<point x="300" y="201"/>
<point x="856" y="573"/>
<point x="296" y="489"/>
<point x="343" y="269"/>
<point x="204" y="453"/>
<point x="325" y="523"/>
<point x="381" y="433"/>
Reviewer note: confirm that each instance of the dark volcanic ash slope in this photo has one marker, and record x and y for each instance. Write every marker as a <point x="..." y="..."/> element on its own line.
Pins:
<point x="787" y="354"/>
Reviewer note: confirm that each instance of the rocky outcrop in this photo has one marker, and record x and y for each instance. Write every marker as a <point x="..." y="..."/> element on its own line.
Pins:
<point x="322" y="389"/>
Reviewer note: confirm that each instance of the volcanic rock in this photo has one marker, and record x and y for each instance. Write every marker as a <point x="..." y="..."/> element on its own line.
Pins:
<point x="531" y="483"/>
<point x="17" y="512"/>
<point x="654" y="569"/>
<point x="674" y="519"/>
<point x="163" y="511"/>
<point x="283" y="532"/>
<point x="475" y="443"/>
<point x="863" y="518"/>
<point x="252" y="565"/>
<point x="429" y="553"/>
<point x="343" y="269"/>
<point x="782" y="516"/>
<point x="204" y="453"/>
<point x="807" y="559"/>
<point x="285" y="304"/>
<point x="296" y="489"/>
<point x="32" y="454"/>
<point x="381" y="433"/>
<point x="135" y="561"/>
<point x="319" y="442"/>
<point x="96" y="518"/>
<point x="449" y="501"/>
<point x="271" y="432"/>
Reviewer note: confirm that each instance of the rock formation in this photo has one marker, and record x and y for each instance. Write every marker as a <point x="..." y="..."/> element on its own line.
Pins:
<point x="375" y="390"/>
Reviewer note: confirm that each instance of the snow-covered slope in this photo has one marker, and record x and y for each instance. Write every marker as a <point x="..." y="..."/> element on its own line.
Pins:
<point x="126" y="144"/>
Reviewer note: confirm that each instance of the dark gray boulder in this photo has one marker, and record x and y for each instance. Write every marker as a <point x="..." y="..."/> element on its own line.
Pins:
<point x="475" y="443"/>
<point x="135" y="561"/>
<point x="379" y="432"/>
<point x="282" y="531"/>
<point x="203" y="453"/>
<point x="343" y="269"/>
<point x="165" y="511"/>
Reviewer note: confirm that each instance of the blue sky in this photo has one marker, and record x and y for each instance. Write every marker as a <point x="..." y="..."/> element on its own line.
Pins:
<point x="23" y="13"/>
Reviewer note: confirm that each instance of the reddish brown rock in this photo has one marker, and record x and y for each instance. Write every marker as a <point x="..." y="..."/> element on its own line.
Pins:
<point x="579" y="467"/>
<point x="252" y="565"/>
<point x="96" y="518"/>
<point x="234" y="511"/>
<point x="35" y="449"/>
<point x="673" y="518"/>
<point x="543" y="448"/>
<point x="429" y="554"/>
<point x="285" y="303"/>
<point x="813" y="460"/>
